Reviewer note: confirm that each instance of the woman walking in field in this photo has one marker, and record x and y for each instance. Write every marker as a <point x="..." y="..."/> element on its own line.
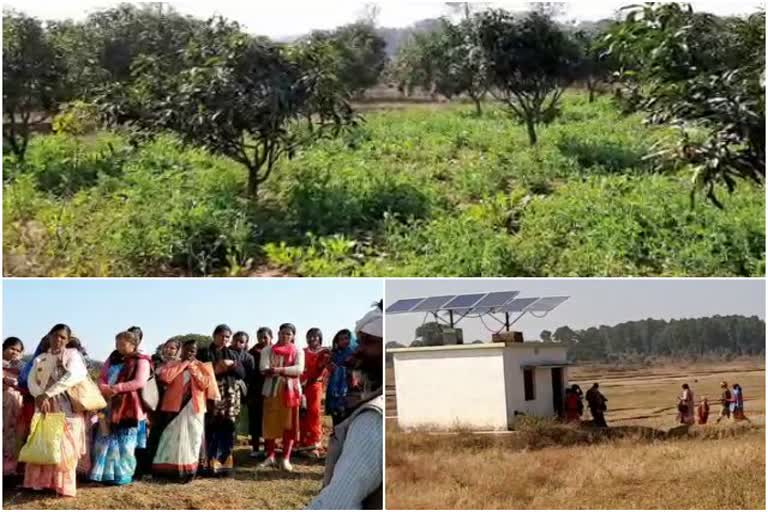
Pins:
<point x="339" y="377"/>
<point x="221" y="419"/>
<point x="685" y="406"/>
<point x="737" y="404"/>
<point x="13" y="400"/>
<point x="180" y="420"/>
<point x="52" y="373"/>
<point x="316" y="359"/>
<point x="281" y="364"/>
<point x="123" y="424"/>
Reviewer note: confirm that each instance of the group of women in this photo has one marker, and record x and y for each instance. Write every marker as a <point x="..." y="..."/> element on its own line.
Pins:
<point x="190" y="427"/>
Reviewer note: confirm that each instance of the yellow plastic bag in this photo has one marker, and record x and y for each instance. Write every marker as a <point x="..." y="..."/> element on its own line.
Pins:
<point x="43" y="445"/>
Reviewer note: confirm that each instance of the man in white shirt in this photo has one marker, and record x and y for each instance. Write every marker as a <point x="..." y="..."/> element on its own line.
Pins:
<point x="354" y="464"/>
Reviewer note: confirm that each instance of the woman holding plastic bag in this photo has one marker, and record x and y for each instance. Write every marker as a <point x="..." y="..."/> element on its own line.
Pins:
<point x="52" y="374"/>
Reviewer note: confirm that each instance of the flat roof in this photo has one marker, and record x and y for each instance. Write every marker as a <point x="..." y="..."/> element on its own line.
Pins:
<point x="476" y="346"/>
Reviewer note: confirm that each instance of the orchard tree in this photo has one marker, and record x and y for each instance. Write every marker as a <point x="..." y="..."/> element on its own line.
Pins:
<point x="530" y="61"/>
<point x="593" y="66"/>
<point x="235" y="95"/>
<point x="702" y="71"/>
<point x="32" y="76"/>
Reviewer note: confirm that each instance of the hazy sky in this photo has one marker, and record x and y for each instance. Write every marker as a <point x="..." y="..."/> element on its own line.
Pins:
<point x="97" y="309"/>
<point x="593" y="302"/>
<point x="293" y="17"/>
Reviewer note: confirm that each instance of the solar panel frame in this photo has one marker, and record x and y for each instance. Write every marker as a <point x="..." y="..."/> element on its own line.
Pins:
<point x="546" y="304"/>
<point x="496" y="299"/>
<point x="519" y="305"/>
<point x="469" y="300"/>
<point x="434" y="303"/>
<point x="411" y="303"/>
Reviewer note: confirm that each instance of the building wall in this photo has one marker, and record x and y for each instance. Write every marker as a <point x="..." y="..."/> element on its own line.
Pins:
<point x="451" y="388"/>
<point x="514" y="359"/>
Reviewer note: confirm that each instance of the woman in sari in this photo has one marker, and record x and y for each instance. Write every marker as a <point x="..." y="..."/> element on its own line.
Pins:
<point x="166" y="353"/>
<point x="281" y="364"/>
<point x="316" y="359"/>
<point x="737" y="404"/>
<point x="685" y="406"/>
<point x="221" y="419"/>
<point x="180" y="419"/>
<point x="52" y="374"/>
<point x="339" y="378"/>
<point x="123" y="424"/>
<point x="13" y="349"/>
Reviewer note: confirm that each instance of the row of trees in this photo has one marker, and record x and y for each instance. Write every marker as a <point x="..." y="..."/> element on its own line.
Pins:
<point x="690" y="337"/>
<point x="152" y="69"/>
<point x="693" y="70"/>
<point x="256" y="101"/>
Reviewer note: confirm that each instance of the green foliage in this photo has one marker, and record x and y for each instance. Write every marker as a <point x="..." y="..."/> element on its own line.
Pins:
<point x="32" y="79"/>
<point x="76" y="118"/>
<point x="530" y="61"/>
<point x="695" y="69"/>
<point x="421" y="192"/>
<point x="691" y="337"/>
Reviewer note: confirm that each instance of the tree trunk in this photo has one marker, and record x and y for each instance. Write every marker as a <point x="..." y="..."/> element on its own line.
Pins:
<point x="531" y="130"/>
<point x="253" y="182"/>
<point x="591" y="89"/>
<point x="478" y="108"/>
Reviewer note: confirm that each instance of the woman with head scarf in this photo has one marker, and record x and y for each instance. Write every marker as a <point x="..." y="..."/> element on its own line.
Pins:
<point x="123" y="424"/>
<point x="221" y="420"/>
<point x="13" y="349"/>
<point x="685" y="406"/>
<point x="737" y="404"/>
<point x="316" y="359"/>
<point x="52" y="373"/>
<point x="181" y="415"/>
<point x="342" y="349"/>
<point x="281" y="364"/>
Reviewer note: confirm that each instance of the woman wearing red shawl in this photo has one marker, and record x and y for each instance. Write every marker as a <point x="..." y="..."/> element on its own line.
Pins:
<point x="316" y="359"/>
<point x="123" y="424"/>
<point x="281" y="364"/>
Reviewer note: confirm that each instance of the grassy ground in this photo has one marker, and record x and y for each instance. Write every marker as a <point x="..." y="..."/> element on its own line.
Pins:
<point x="414" y="190"/>
<point x="645" y="461"/>
<point x="252" y="488"/>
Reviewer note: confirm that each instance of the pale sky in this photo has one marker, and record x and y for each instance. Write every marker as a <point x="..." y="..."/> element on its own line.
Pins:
<point x="97" y="309"/>
<point x="293" y="17"/>
<point x="592" y="302"/>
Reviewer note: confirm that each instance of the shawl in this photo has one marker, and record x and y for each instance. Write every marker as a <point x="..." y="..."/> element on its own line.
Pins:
<point x="285" y="355"/>
<point x="125" y="407"/>
<point x="338" y="382"/>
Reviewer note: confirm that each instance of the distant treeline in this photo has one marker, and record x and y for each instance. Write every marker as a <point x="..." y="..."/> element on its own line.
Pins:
<point x="725" y="336"/>
<point x="732" y="335"/>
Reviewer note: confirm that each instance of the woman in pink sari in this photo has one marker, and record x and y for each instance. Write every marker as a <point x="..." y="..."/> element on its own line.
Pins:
<point x="13" y="348"/>
<point x="281" y="364"/>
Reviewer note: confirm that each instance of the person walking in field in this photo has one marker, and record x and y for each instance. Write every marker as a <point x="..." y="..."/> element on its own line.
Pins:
<point x="737" y="404"/>
<point x="685" y="406"/>
<point x="572" y="401"/>
<point x="597" y="405"/>
<point x="316" y="359"/>
<point x="703" y="411"/>
<point x="354" y="463"/>
<point x="725" y="402"/>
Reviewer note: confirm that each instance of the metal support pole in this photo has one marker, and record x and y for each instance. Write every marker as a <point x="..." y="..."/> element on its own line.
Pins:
<point x="506" y="321"/>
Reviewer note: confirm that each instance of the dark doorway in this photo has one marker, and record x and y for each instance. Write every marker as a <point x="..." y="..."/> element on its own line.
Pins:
<point x="557" y="390"/>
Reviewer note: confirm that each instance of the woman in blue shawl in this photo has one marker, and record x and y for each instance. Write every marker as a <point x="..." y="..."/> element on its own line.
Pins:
<point x="343" y="347"/>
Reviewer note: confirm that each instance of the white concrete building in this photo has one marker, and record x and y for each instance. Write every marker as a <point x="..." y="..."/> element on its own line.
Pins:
<point x="478" y="386"/>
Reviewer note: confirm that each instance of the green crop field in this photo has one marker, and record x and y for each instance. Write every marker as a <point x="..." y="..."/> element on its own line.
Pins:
<point x="420" y="191"/>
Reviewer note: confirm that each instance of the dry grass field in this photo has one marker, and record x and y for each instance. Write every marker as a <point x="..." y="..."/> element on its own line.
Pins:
<point x="645" y="461"/>
<point x="251" y="488"/>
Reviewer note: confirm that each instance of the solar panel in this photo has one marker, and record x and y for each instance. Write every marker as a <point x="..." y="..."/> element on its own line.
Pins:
<point x="547" y="303"/>
<point x="495" y="299"/>
<point x="518" y="305"/>
<point x="432" y="303"/>
<point x="403" y="306"/>
<point x="464" y="301"/>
